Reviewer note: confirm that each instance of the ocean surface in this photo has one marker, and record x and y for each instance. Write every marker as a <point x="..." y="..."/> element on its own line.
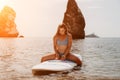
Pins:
<point x="101" y="58"/>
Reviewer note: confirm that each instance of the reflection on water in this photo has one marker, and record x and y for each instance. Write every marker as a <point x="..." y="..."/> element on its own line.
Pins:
<point x="7" y="47"/>
<point x="101" y="58"/>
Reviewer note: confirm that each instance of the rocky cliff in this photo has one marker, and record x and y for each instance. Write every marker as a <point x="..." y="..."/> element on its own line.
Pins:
<point x="7" y="23"/>
<point x="74" y="19"/>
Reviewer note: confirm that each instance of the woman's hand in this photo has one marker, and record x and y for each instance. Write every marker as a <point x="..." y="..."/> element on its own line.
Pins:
<point x="63" y="57"/>
<point x="57" y="56"/>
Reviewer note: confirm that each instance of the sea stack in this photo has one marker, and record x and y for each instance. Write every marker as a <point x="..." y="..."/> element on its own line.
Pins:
<point x="74" y="20"/>
<point x="7" y="23"/>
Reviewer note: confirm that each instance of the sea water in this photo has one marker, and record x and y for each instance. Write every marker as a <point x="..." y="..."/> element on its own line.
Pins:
<point x="101" y="58"/>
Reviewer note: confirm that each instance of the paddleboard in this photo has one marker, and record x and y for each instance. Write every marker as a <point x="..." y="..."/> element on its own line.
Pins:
<point x="52" y="66"/>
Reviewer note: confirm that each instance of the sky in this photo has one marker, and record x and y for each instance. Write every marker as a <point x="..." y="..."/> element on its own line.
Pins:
<point x="40" y="18"/>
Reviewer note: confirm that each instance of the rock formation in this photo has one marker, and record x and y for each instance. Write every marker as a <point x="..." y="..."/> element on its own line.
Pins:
<point x="92" y="36"/>
<point x="7" y="24"/>
<point x="74" y="19"/>
<point x="21" y="36"/>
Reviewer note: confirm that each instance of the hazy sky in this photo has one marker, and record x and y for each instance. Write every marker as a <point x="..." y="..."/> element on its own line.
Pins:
<point x="42" y="17"/>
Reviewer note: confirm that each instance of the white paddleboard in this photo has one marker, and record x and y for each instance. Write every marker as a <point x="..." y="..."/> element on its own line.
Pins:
<point x="54" y="66"/>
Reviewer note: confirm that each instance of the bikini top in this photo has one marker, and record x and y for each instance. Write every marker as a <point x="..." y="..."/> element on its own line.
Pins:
<point x="62" y="42"/>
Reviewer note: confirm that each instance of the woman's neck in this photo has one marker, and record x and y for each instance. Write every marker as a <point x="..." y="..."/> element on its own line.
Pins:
<point x="62" y="37"/>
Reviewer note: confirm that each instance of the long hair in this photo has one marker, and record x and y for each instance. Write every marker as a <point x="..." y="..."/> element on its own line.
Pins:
<point x="61" y="26"/>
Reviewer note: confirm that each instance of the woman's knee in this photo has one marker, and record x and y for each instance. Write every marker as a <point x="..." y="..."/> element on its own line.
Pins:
<point x="47" y="57"/>
<point x="43" y="59"/>
<point x="79" y="62"/>
<point x="75" y="59"/>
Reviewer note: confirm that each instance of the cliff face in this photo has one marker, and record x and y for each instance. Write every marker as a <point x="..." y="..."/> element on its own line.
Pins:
<point x="7" y="24"/>
<point x="74" y="19"/>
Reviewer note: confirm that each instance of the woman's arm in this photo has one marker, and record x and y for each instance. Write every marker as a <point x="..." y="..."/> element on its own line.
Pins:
<point x="69" y="45"/>
<point x="55" y="47"/>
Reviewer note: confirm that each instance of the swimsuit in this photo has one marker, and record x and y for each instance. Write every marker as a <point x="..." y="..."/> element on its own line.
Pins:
<point x="62" y="42"/>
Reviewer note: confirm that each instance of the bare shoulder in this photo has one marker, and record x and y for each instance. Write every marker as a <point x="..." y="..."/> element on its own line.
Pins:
<point x="55" y="37"/>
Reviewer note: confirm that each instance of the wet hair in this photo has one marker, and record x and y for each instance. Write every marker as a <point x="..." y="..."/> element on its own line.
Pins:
<point x="61" y="26"/>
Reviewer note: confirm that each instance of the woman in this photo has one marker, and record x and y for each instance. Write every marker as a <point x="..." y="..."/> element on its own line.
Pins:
<point x="62" y="45"/>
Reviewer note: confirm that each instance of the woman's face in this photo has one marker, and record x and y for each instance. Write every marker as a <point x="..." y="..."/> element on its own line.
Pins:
<point x="62" y="31"/>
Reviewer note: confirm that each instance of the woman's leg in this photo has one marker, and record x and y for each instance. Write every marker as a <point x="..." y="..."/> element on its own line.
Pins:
<point x="48" y="57"/>
<point x="74" y="58"/>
